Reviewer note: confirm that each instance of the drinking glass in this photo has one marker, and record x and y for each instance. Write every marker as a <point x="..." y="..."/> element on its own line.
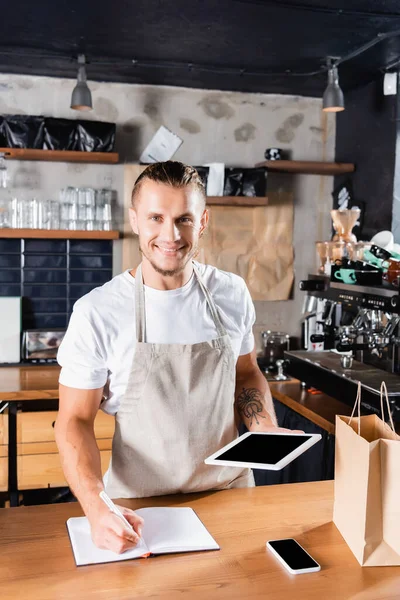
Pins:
<point x="107" y="216"/>
<point x="54" y="214"/>
<point x="5" y="213"/>
<point x="90" y="209"/>
<point x="322" y="251"/>
<point x="26" y="210"/>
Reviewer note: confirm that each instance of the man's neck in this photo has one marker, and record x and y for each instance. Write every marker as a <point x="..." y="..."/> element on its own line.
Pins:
<point x="156" y="280"/>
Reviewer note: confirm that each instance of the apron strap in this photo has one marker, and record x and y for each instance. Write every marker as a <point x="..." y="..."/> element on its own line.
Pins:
<point x="140" y="308"/>
<point x="211" y="304"/>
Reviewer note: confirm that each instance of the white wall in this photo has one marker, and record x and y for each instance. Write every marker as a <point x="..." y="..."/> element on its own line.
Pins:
<point x="229" y="127"/>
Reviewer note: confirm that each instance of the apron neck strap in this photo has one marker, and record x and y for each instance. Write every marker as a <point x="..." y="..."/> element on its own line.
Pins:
<point x="140" y="305"/>
<point x="211" y="304"/>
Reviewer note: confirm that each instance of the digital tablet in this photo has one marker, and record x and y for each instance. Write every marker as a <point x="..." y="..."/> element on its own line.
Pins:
<point x="262" y="450"/>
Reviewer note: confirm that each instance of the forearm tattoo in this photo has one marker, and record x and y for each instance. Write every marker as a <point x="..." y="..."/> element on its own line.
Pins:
<point x="250" y="404"/>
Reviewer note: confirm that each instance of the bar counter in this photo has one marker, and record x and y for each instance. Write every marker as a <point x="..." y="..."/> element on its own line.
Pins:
<point x="40" y="382"/>
<point x="37" y="561"/>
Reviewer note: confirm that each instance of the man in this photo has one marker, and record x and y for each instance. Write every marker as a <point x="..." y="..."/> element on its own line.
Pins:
<point x="174" y="340"/>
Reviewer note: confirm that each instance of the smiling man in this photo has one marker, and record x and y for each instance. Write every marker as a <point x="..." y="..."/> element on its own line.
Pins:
<point x="173" y="341"/>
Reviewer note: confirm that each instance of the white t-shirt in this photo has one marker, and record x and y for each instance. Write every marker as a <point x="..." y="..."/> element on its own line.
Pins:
<point x="100" y="340"/>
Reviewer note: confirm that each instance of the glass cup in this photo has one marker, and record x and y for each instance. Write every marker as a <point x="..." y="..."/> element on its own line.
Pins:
<point x="54" y="214"/>
<point x="5" y="213"/>
<point x="322" y="252"/>
<point x="337" y="251"/>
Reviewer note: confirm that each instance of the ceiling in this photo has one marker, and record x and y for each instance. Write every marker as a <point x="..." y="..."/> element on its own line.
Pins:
<point x="267" y="46"/>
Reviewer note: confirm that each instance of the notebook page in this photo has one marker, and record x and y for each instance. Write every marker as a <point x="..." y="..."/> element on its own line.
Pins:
<point x="170" y="529"/>
<point x="87" y="553"/>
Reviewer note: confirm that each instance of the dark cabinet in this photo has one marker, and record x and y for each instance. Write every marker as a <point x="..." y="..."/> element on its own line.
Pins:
<point x="315" y="464"/>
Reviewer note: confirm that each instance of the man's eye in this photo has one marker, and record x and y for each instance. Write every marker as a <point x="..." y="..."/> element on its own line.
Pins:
<point x="186" y="220"/>
<point x="154" y="218"/>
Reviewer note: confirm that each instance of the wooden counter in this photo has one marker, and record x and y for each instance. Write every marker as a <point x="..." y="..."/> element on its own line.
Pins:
<point x="29" y="457"/>
<point x="36" y="382"/>
<point x="40" y="382"/>
<point x="37" y="561"/>
<point x="319" y="408"/>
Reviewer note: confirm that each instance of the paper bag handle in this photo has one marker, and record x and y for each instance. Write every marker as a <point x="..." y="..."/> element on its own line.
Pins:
<point x="384" y="390"/>
<point x="358" y="404"/>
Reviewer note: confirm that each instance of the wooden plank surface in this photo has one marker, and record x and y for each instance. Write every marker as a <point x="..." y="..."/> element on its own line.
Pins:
<point x="34" y="427"/>
<point x="41" y="382"/>
<point x="44" y="470"/>
<point x="3" y="474"/>
<point x="64" y="234"/>
<point x="237" y="201"/>
<point x="37" y="561"/>
<point x="60" y="155"/>
<point x="307" y="167"/>
<point x="320" y="408"/>
<point x="36" y="382"/>
<point x="51" y="447"/>
<point x="3" y="429"/>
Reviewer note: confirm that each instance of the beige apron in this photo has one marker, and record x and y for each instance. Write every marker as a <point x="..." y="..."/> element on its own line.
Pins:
<point x="178" y="408"/>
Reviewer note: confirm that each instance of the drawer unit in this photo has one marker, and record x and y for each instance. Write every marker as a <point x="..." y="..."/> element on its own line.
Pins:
<point x="38" y="460"/>
<point x="44" y="470"/>
<point x="34" y="427"/>
<point x="3" y="452"/>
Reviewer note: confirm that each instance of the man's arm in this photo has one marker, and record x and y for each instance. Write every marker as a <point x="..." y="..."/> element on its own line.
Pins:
<point x="80" y="459"/>
<point x="253" y="400"/>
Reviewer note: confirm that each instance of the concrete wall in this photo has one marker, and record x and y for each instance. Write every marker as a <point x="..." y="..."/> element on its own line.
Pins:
<point x="229" y="127"/>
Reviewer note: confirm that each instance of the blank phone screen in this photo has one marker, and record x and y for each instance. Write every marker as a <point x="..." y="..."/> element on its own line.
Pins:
<point x="267" y="449"/>
<point x="293" y="554"/>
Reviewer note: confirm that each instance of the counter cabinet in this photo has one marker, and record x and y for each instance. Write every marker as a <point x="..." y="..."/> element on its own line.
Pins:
<point x="33" y="462"/>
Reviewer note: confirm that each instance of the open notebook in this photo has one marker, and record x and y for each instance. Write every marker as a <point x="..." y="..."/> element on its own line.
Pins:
<point x="165" y="530"/>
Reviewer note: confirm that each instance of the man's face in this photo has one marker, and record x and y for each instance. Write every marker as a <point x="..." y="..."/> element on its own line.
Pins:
<point x="169" y="222"/>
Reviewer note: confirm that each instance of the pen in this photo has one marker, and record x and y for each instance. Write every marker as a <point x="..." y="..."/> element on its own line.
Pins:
<point x="114" y="509"/>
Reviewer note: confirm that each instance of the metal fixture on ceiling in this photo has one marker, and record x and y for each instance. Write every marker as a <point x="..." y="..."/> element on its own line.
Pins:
<point x="81" y="98"/>
<point x="333" y="100"/>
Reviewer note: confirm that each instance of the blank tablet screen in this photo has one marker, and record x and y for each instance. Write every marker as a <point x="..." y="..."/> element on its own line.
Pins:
<point x="268" y="449"/>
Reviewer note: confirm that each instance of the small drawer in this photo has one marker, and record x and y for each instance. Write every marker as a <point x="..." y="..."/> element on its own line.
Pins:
<point x="104" y="425"/>
<point x="3" y="453"/>
<point x="3" y="472"/>
<point x="44" y="470"/>
<point x="3" y="430"/>
<point x="35" y="427"/>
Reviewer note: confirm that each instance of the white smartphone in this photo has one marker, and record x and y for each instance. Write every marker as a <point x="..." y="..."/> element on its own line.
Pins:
<point x="293" y="556"/>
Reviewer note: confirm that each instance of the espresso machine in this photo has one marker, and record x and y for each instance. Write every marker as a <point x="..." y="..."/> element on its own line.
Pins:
<point x="350" y="334"/>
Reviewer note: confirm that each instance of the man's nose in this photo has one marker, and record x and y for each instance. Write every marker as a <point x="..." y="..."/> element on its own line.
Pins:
<point x="170" y="231"/>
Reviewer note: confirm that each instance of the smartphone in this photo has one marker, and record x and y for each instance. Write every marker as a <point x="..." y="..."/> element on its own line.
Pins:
<point x="293" y="556"/>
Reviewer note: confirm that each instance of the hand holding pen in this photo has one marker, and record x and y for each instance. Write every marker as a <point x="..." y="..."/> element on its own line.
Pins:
<point x="115" y="528"/>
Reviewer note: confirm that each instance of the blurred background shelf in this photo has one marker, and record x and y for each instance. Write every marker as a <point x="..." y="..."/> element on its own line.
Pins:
<point x="64" y="234"/>
<point x="60" y="155"/>
<point x="307" y="167"/>
<point x="237" y="200"/>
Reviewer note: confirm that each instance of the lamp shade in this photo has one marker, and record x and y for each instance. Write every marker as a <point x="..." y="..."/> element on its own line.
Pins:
<point x="333" y="100"/>
<point x="81" y="98"/>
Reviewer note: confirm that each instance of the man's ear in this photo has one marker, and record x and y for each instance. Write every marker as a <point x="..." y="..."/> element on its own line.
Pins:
<point x="204" y="221"/>
<point x="133" y="220"/>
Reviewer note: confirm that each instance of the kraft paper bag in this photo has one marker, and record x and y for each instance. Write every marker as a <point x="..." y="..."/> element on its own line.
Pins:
<point x="367" y="486"/>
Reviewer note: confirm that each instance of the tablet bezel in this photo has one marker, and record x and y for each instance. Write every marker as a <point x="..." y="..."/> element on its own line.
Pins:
<point x="313" y="439"/>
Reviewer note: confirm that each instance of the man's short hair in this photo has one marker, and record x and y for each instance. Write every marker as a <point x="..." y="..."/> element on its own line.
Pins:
<point x="173" y="173"/>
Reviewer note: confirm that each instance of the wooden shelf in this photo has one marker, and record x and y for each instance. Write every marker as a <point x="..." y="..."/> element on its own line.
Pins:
<point x="237" y="201"/>
<point x="65" y="234"/>
<point x="307" y="167"/>
<point x="60" y="155"/>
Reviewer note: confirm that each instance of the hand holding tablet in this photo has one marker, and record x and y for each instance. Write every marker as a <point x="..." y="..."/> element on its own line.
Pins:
<point x="264" y="450"/>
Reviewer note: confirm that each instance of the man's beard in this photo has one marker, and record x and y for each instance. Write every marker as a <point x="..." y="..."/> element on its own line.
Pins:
<point x="171" y="272"/>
